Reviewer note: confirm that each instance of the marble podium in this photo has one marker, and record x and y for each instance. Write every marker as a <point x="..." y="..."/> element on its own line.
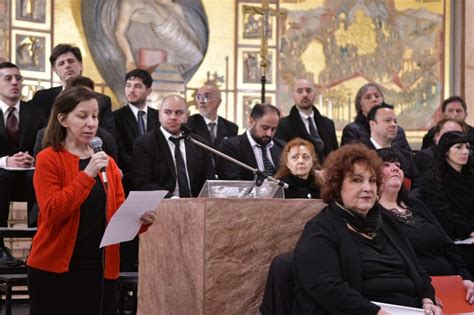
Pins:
<point x="211" y="256"/>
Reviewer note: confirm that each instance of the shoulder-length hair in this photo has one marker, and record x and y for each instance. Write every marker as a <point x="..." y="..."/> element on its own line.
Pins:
<point x="340" y="163"/>
<point x="65" y="103"/>
<point x="284" y="171"/>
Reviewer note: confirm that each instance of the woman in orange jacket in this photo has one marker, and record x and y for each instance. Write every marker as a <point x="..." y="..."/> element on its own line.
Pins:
<point x="68" y="273"/>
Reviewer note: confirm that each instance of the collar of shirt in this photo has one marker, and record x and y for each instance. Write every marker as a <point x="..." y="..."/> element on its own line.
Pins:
<point x="207" y="121"/>
<point x="254" y="144"/>
<point x="167" y="134"/>
<point x="136" y="109"/>
<point x="5" y="108"/>
<point x="305" y="116"/>
<point x="376" y="145"/>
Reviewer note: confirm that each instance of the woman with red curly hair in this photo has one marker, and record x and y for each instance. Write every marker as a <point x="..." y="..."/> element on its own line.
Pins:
<point x="350" y="254"/>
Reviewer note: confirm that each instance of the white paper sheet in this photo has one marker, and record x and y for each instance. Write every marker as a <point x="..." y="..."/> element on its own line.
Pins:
<point x="469" y="240"/>
<point x="399" y="309"/>
<point x="125" y="223"/>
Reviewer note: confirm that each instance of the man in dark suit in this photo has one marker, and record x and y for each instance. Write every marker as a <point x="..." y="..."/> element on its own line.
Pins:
<point x="207" y="123"/>
<point x="257" y="147"/>
<point x="164" y="160"/>
<point x="135" y="118"/>
<point x="109" y="144"/>
<point x="383" y="130"/>
<point x="454" y="107"/>
<point x="306" y="122"/>
<point x="18" y="127"/>
<point x="66" y="61"/>
<point x="131" y="121"/>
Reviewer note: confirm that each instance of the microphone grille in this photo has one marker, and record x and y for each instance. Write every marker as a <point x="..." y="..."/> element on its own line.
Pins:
<point x="95" y="143"/>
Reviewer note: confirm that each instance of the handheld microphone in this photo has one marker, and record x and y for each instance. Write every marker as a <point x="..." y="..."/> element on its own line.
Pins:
<point x="96" y="145"/>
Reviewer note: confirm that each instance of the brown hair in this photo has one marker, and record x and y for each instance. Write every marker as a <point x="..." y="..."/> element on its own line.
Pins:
<point x="284" y="171"/>
<point x="65" y="103"/>
<point x="361" y="92"/>
<point x="443" y="121"/>
<point x="340" y="163"/>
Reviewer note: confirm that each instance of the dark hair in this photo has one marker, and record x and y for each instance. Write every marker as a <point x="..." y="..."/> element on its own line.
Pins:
<point x="341" y="162"/>
<point x="453" y="99"/>
<point x="61" y="49"/>
<point x="445" y="143"/>
<point x="361" y="92"/>
<point x="259" y="110"/>
<point x="7" y="64"/>
<point x="80" y="81"/>
<point x="373" y="112"/>
<point x="141" y="74"/>
<point x="391" y="156"/>
<point x="284" y="171"/>
<point x="65" y="103"/>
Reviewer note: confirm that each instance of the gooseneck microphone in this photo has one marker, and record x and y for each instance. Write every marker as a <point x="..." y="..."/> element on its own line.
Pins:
<point x="96" y="145"/>
<point x="259" y="175"/>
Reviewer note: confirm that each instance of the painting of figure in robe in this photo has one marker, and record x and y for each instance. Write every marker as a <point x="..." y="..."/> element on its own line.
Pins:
<point x="126" y="34"/>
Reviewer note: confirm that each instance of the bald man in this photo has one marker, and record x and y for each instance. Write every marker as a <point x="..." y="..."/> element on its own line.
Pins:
<point x="306" y="122"/>
<point x="163" y="160"/>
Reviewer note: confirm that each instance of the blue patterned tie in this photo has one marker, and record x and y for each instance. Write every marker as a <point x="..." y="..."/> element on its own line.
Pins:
<point x="141" y="123"/>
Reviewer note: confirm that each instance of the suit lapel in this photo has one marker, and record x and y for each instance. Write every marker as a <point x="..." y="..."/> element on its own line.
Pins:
<point x="247" y="153"/>
<point x="3" y="130"/>
<point x="24" y="122"/>
<point x="221" y="130"/>
<point x="151" y="119"/>
<point x="165" y="148"/>
<point x="131" y="121"/>
<point x="202" y="129"/>
<point x="190" y="159"/>
<point x="275" y="152"/>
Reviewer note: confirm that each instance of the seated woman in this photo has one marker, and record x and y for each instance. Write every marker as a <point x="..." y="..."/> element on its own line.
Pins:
<point x="448" y="189"/>
<point x="350" y="254"/>
<point x="358" y="131"/>
<point x="299" y="169"/>
<point x="435" y="250"/>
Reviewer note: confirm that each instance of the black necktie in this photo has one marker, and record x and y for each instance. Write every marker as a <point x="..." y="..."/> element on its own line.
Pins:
<point x="12" y="126"/>
<point x="212" y="131"/>
<point x="313" y="132"/>
<point x="181" y="176"/>
<point x="267" y="165"/>
<point x="141" y="123"/>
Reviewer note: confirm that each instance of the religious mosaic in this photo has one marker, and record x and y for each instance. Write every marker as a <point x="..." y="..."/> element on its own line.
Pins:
<point x="345" y="43"/>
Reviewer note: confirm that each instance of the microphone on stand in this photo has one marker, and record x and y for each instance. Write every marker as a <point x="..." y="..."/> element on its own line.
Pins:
<point x="96" y="145"/>
<point x="259" y="175"/>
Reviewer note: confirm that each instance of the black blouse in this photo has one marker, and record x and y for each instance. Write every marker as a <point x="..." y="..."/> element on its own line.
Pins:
<point x="86" y="254"/>
<point x="300" y="188"/>
<point x="385" y="273"/>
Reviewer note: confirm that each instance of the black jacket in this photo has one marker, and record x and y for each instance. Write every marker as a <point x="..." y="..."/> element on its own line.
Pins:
<point x="127" y="131"/>
<point x="292" y="126"/>
<point x="327" y="267"/>
<point x="154" y="167"/>
<point x="428" y="138"/>
<point x="424" y="159"/>
<point x="225" y="128"/>
<point x="44" y="99"/>
<point x="240" y="149"/>
<point x="359" y="131"/>
<point x="31" y="121"/>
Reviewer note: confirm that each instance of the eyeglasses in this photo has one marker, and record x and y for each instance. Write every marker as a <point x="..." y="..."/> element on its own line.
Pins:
<point x="205" y="97"/>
